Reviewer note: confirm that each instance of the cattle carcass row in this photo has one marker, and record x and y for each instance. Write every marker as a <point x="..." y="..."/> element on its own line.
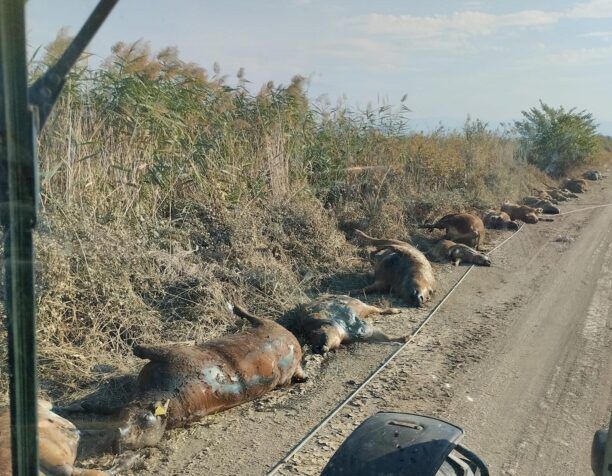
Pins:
<point x="575" y="185"/>
<point x="58" y="441"/>
<point x="461" y="228"/>
<point x="498" y="220"/>
<point x="401" y="269"/>
<point x="545" y="205"/>
<point x="182" y="383"/>
<point x="332" y="320"/>
<point x="446" y="250"/>
<point x="593" y="175"/>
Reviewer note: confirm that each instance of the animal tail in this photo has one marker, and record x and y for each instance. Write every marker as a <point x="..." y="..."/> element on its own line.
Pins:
<point x="429" y="226"/>
<point x="379" y="242"/>
<point x="150" y="352"/>
<point x="243" y="313"/>
<point x="545" y="219"/>
<point x="393" y="247"/>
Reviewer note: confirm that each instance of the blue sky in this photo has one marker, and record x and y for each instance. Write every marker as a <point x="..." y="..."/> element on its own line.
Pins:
<point x="489" y="59"/>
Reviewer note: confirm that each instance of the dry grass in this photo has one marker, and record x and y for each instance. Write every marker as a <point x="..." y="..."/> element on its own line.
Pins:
<point x="167" y="193"/>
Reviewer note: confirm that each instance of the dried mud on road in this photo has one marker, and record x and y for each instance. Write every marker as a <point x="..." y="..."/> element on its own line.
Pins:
<point x="519" y="355"/>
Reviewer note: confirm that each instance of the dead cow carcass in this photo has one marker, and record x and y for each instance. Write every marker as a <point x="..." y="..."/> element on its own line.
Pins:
<point x="446" y="250"/>
<point x="332" y="320"/>
<point x="546" y="205"/>
<point x="182" y="383"/>
<point x="575" y="185"/>
<point x="593" y="175"/>
<point x="522" y="212"/>
<point x="498" y="220"/>
<point x="401" y="269"/>
<point x="58" y="441"/>
<point x="461" y="228"/>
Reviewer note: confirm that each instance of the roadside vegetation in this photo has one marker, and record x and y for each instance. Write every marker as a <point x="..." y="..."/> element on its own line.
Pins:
<point x="557" y="140"/>
<point x="167" y="192"/>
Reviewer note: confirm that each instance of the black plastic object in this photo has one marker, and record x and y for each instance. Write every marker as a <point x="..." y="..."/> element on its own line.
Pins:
<point x="393" y="444"/>
<point x="598" y="450"/>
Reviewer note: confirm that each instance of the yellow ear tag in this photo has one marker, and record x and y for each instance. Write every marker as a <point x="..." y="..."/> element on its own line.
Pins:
<point x="160" y="410"/>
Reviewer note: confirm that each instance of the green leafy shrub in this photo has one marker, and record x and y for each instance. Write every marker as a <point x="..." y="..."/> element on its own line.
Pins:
<point x="556" y="140"/>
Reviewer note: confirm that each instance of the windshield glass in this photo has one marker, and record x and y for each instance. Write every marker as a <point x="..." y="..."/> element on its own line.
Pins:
<point x="261" y="223"/>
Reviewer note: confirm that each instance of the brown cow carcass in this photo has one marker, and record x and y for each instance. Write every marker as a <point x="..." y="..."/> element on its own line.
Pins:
<point x="545" y="205"/>
<point x="401" y="269"/>
<point x="498" y="220"/>
<point x="521" y="212"/>
<point x="575" y="185"/>
<point x="461" y="228"/>
<point x="58" y="441"/>
<point x="183" y="383"/>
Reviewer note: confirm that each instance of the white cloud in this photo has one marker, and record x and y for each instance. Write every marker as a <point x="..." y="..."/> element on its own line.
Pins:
<point x="391" y="41"/>
<point x="458" y="24"/>
<point x="591" y="9"/>
<point x="372" y="54"/>
<point x="581" y="56"/>
<point x="467" y="24"/>
<point x="597" y="34"/>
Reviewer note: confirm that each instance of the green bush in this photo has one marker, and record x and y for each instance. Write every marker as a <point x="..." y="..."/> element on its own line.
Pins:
<point x="556" y="140"/>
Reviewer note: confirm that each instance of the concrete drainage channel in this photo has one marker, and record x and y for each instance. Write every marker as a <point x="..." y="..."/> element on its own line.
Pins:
<point x="389" y="359"/>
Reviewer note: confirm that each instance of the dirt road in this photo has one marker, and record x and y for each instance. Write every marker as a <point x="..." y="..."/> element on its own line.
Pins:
<point x="519" y="356"/>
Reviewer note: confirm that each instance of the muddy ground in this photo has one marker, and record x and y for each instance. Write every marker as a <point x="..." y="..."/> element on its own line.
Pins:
<point x="519" y="356"/>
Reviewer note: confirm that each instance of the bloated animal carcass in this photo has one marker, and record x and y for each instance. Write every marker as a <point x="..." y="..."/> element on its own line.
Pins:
<point x="446" y="250"/>
<point x="332" y="320"/>
<point x="521" y="212"/>
<point x="58" y="441"/>
<point x="461" y="228"/>
<point x="546" y="205"/>
<point x="182" y="383"/>
<point x="575" y="185"/>
<point x="401" y="269"/>
<point x="498" y="220"/>
<point x="593" y="175"/>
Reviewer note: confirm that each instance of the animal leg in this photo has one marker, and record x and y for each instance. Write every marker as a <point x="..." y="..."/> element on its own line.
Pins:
<point x="299" y="375"/>
<point x="369" y="310"/>
<point x="376" y="286"/>
<point x="125" y="463"/>
<point x="389" y="310"/>
<point x="380" y="337"/>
